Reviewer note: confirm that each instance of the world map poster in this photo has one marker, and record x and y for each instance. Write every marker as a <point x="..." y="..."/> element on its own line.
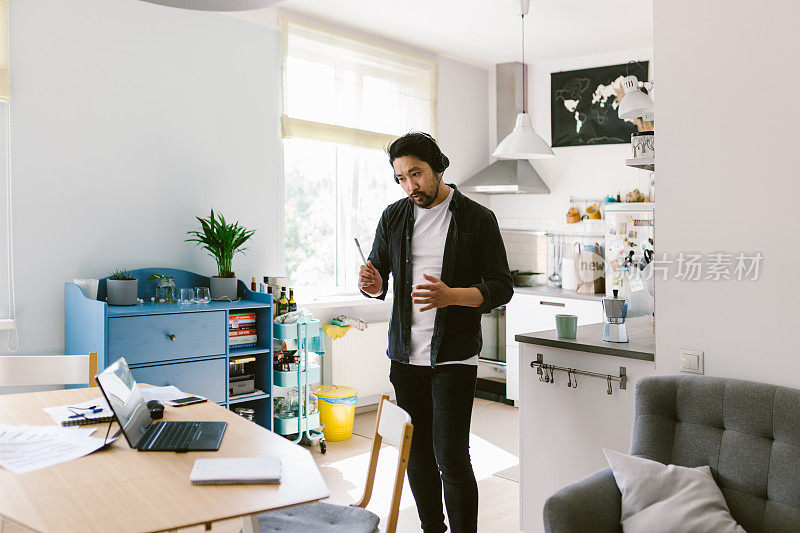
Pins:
<point x="584" y="104"/>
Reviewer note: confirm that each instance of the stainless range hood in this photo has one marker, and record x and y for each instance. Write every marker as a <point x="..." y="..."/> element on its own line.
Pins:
<point x="507" y="176"/>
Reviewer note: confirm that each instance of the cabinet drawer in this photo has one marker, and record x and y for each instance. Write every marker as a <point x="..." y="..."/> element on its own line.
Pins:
<point x="204" y="378"/>
<point x="146" y="339"/>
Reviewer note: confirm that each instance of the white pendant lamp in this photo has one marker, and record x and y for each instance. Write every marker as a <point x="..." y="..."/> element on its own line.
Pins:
<point x="635" y="103"/>
<point x="217" y="5"/>
<point x="523" y="142"/>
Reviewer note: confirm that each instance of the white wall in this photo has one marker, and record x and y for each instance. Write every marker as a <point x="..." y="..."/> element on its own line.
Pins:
<point x="128" y="120"/>
<point x="132" y="118"/>
<point x="463" y="118"/>
<point x="727" y="181"/>
<point x="581" y="171"/>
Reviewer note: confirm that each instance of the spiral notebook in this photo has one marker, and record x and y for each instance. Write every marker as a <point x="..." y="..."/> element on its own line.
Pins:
<point x="236" y="471"/>
<point x="87" y="419"/>
<point x="93" y="411"/>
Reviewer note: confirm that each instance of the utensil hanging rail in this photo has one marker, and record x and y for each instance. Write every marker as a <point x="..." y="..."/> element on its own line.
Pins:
<point x="576" y="235"/>
<point x="547" y="370"/>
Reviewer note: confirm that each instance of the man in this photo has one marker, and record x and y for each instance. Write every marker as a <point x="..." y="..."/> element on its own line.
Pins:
<point x="449" y="265"/>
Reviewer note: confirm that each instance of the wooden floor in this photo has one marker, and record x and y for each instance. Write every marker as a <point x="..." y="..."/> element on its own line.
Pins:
<point x="493" y="449"/>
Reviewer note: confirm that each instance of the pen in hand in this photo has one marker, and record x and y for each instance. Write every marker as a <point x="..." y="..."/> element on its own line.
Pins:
<point x="358" y="247"/>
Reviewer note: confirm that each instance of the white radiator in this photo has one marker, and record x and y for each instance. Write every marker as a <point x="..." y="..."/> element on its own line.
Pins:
<point x="359" y="360"/>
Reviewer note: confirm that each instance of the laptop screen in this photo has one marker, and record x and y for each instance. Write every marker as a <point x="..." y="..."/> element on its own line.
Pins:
<point x="125" y="400"/>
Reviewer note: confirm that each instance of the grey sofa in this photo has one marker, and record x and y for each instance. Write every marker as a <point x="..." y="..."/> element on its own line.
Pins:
<point x="747" y="432"/>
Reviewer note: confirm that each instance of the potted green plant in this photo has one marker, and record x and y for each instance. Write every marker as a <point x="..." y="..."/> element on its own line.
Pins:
<point x="121" y="288"/>
<point x="222" y="241"/>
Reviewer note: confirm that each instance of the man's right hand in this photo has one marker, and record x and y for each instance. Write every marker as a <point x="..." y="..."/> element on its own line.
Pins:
<point x="369" y="279"/>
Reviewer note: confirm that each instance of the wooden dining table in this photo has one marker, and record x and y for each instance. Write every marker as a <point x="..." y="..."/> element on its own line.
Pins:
<point x="121" y="489"/>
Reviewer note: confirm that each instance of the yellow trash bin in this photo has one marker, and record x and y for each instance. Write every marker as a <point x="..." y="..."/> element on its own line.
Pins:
<point x="337" y="407"/>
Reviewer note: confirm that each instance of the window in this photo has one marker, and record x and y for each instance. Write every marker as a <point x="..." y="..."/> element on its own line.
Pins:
<point x="344" y="102"/>
<point x="7" y="299"/>
<point x="5" y="92"/>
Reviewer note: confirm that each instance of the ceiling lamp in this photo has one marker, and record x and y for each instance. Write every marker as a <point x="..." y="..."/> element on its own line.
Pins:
<point x="635" y="103"/>
<point x="523" y="142"/>
<point x="217" y="5"/>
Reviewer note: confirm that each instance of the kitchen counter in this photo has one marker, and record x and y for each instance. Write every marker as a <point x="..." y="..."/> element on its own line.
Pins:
<point x="557" y="292"/>
<point x="641" y="341"/>
<point x="576" y="421"/>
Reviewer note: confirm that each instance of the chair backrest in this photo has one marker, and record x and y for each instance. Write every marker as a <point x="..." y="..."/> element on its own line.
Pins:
<point x="48" y="369"/>
<point x="747" y="432"/>
<point x="393" y="425"/>
<point x="392" y="422"/>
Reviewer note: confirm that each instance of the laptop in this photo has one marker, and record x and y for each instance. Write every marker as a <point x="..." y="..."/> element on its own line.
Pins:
<point x="123" y="395"/>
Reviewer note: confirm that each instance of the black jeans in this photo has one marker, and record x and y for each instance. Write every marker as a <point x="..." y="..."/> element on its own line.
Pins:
<point x="439" y="401"/>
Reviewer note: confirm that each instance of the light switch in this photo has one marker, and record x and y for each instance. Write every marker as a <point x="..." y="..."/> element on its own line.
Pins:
<point x="691" y="361"/>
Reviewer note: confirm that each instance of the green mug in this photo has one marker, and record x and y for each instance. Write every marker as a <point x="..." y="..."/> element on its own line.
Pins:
<point x="566" y="326"/>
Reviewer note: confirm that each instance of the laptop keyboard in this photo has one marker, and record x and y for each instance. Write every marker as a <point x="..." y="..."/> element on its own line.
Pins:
<point x="173" y="436"/>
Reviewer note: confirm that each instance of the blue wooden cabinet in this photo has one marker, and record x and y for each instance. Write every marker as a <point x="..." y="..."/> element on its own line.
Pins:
<point x="173" y="344"/>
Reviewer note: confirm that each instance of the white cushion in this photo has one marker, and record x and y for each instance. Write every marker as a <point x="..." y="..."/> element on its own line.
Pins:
<point x="658" y="497"/>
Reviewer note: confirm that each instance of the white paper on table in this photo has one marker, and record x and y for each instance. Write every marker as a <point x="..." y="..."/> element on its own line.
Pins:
<point x="164" y="395"/>
<point x="63" y="413"/>
<point x="27" y="448"/>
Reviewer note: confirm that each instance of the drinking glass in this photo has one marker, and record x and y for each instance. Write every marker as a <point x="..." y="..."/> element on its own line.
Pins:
<point x="186" y="296"/>
<point x="202" y="295"/>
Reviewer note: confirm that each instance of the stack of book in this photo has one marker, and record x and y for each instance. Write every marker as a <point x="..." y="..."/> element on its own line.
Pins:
<point x="242" y="330"/>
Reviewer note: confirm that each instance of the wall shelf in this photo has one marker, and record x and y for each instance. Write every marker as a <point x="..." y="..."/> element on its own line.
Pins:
<point x="644" y="163"/>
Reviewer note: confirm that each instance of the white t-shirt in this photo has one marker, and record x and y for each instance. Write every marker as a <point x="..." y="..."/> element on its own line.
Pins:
<point x="427" y="252"/>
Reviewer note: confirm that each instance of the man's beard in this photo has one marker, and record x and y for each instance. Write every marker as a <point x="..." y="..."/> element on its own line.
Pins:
<point x="426" y="199"/>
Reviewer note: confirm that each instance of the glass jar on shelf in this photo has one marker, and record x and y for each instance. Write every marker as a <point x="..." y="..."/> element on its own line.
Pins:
<point x="165" y="288"/>
<point x="293" y="397"/>
<point x="312" y="403"/>
<point x="282" y="407"/>
<point x="245" y="412"/>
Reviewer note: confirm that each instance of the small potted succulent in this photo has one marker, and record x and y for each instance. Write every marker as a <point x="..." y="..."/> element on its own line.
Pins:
<point x="121" y="288"/>
<point x="222" y="241"/>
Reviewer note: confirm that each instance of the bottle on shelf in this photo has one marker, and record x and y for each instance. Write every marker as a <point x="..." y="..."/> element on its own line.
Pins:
<point x="253" y="286"/>
<point x="292" y="305"/>
<point x="283" y="303"/>
<point x="272" y="301"/>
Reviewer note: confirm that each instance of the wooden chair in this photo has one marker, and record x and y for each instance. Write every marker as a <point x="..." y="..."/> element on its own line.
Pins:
<point x="394" y="427"/>
<point x="45" y="370"/>
<point x="48" y="369"/>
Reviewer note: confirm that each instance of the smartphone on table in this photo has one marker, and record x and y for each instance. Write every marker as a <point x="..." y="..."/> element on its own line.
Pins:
<point x="189" y="400"/>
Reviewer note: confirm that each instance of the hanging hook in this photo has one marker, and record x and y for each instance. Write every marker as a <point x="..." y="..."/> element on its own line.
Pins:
<point x="569" y="377"/>
<point x="610" y="390"/>
<point x="575" y="380"/>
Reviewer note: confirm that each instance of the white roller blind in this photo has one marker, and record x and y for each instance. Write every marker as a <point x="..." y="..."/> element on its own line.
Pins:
<point x="5" y="92"/>
<point x="339" y="89"/>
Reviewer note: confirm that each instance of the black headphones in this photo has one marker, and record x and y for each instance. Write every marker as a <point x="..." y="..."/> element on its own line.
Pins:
<point x="443" y="161"/>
